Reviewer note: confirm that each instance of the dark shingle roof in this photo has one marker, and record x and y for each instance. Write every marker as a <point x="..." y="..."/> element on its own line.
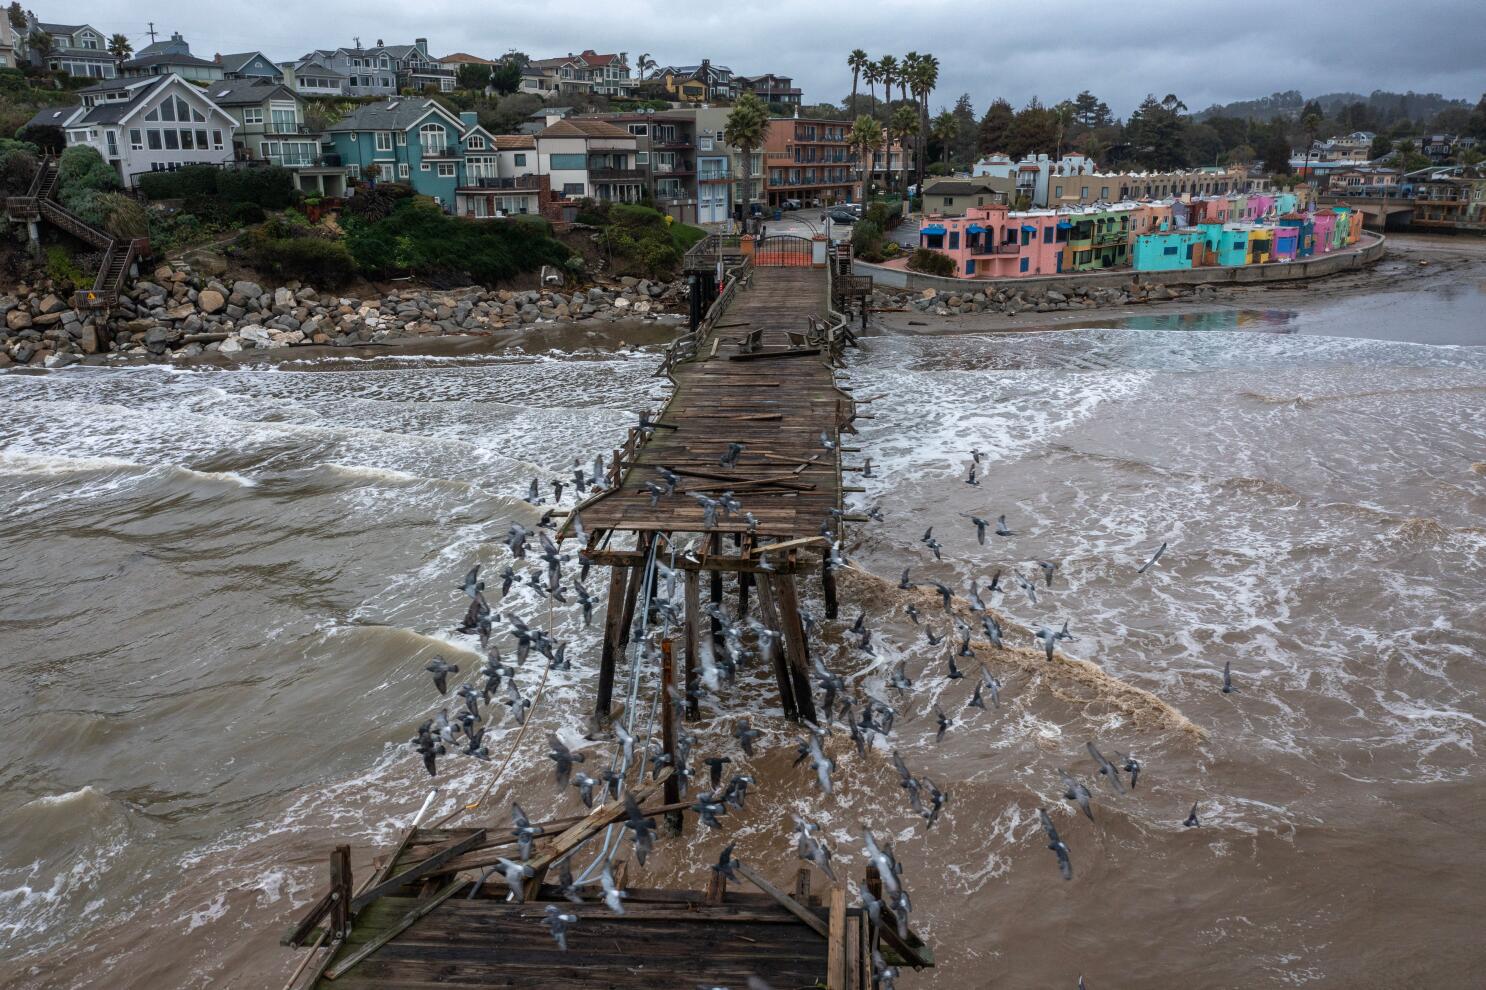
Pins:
<point x="169" y="59"/>
<point x="967" y="187"/>
<point x="235" y="61"/>
<point x="388" y="115"/>
<point x="242" y="92"/>
<point x="51" y="116"/>
<point x="61" y="28"/>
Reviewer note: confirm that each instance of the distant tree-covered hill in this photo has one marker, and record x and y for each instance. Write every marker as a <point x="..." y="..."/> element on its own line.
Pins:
<point x="1383" y="106"/>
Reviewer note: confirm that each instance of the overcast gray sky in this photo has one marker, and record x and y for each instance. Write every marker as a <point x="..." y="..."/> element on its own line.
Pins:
<point x="1204" y="52"/>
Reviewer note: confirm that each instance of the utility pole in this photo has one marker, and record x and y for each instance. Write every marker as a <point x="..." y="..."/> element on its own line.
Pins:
<point x="151" y="32"/>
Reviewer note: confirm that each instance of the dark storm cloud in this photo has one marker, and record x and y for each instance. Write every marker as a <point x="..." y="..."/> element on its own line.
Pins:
<point x="1204" y="52"/>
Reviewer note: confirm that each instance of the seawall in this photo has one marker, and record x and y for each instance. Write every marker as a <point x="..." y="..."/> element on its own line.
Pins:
<point x="1370" y="248"/>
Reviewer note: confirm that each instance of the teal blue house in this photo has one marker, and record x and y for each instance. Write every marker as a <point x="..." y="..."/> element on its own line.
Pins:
<point x="418" y="142"/>
<point x="1165" y="250"/>
<point x="1226" y="244"/>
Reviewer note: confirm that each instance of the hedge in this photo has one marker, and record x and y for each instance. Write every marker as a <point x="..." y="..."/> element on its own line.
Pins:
<point x="271" y="186"/>
<point x="417" y="237"/>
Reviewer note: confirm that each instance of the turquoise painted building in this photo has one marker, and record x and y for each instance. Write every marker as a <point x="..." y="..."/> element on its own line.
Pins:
<point x="418" y="142"/>
<point x="1226" y="244"/>
<point x="1165" y="250"/>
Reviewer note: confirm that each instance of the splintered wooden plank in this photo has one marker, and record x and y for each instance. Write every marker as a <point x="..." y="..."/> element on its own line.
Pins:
<point x="787" y="902"/>
<point x="424" y="867"/>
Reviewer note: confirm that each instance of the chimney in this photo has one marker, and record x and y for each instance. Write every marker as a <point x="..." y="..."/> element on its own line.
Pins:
<point x="422" y="45"/>
<point x="470" y="118"/>
<point x="379" y="43"/>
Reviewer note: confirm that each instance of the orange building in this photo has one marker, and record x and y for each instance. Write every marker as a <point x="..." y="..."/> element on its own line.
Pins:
<point x="809" y="160"/>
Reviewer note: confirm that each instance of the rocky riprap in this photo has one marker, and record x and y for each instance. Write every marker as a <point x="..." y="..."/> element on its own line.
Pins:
<point x="1010" y="301"/>
<point x="176" y="311"/>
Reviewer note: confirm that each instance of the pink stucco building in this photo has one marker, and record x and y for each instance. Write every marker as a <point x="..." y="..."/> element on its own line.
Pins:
<point x="995" y="242"/>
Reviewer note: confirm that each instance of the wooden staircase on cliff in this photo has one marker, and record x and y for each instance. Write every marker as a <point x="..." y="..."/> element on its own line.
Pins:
<point x="40" y="203"/>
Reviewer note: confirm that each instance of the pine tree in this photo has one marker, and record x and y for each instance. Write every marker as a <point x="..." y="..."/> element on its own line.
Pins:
<point x="995" y="128"/>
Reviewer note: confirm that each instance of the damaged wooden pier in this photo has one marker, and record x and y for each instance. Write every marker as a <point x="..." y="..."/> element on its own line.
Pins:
<point x="737" y="483"/>
<point x="433" y="915"/>
<point x="758" y="371"/>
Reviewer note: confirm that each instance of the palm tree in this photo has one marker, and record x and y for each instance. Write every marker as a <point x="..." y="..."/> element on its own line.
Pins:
<point x="119" y="47"/>
<point x="856" y="62"/>
<point x="747" y="126"/>
<point x="866" y="137"/>
<point x="873" y="75"/>
<point x="887" y="68"/>
<point x="944" y="130"/>
<point x="901" y="125"/>
<point x="644" y="64"/>
<point x="1310" y="122"/>
<point x="923" y="78"/>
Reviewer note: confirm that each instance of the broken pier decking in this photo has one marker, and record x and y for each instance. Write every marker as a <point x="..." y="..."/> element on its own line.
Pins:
<point x="776" y="401"/>
<point x="423" y="920"/>
<point x="760" y="373"/>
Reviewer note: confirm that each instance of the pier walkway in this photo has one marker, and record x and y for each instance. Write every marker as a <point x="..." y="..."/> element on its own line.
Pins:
<point x="737" y="479"/>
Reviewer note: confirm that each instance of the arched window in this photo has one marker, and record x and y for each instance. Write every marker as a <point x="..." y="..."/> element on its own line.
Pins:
<point x="476" y="143"/>
<point x="433" y="139"/>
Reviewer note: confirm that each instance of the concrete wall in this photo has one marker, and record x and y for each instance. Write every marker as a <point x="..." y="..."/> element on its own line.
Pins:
<point x="1366" y="251"/>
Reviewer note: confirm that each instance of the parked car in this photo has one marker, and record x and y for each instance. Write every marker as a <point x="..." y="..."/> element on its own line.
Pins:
<point x="839" y="214"/>
<point x="792" y="204"/>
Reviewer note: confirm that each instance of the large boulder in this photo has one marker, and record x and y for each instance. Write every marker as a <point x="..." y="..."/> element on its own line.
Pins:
<point x="210" y="301"/>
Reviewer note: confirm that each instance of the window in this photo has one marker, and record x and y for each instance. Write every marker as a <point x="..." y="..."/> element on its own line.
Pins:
<point x="402" y="138"/>
<point x="253" y="115"/>
<point x="519" y="159"/>
<point x="1083" y="192"/>
<point x="638" y="130"/>
<point x="954" y="239"/>
<point x="402" y="170"/>
<point x="433" y="139"/>
<point x="424" y="167"/>
<point x="569" y="162"/>
<point x="572" y="189"/>
<point x="167" y="110"/>
<point x="353" y="171"/>
<point x="113" y="144"/>
<point x="642" y="158"/>
<point x="1104" y="192"/>
<point x="154" y="139"/>
<point x="1170" y="250"/>
<point x="136" y="139"/>
<point x="188" y="141"/>
<point x="217" y="140"/>
<point x="476" y="143"/>
<point x="1025" y="263"/>
<point x="172" y="140"/>
<point x="384" y="140"/>
<point x="949" y="201"/>
<point x="1047" y="235"/>
<point x="446" y="170"/>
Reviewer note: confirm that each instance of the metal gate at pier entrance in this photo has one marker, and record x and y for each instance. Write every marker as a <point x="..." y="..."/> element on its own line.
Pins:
<point x="783" y="251"/>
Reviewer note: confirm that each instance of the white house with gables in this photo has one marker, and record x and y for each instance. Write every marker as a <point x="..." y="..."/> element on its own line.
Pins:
<point x="151" y="124"/>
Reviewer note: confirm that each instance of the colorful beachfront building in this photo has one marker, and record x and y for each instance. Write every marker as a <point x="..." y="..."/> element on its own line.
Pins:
<point x="1098" y="236"/>
<point x="1163" y="235"/>
<point x="996" y="242"/>
<point x="1166" y="250"/>
<point x="1305" y="233"/>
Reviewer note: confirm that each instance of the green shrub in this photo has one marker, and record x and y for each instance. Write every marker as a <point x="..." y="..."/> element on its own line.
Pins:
<point x="311" y="259"/>
<point x="246" y="214"/>
<point x="866" y="240"/>
<point x="885" y="215"/>
<point x="170" y="231"/>
<point x="271" y="187"/>
<point x="82" y="176"/>
<point x="183" y="183"/>
<point x="419" y="238"/>
<point x="210" y="209"/>
<point x="931" y="262"/>
<point x="17" y="169"/>
<point x="63" y="270"/>
<point x="123" y="216"/>
<point x="376" y="204"/>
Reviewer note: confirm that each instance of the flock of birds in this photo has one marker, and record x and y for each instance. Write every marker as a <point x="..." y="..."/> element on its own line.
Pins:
<point x="864" y="715"/>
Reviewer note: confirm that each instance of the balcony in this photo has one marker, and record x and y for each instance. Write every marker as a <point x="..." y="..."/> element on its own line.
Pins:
<point x="519" y="183"/>
<point x="443" y="151"/>
<point x="616" y="175"/>
<point x="714" y="175"/>
<point x="275" y="129"/>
